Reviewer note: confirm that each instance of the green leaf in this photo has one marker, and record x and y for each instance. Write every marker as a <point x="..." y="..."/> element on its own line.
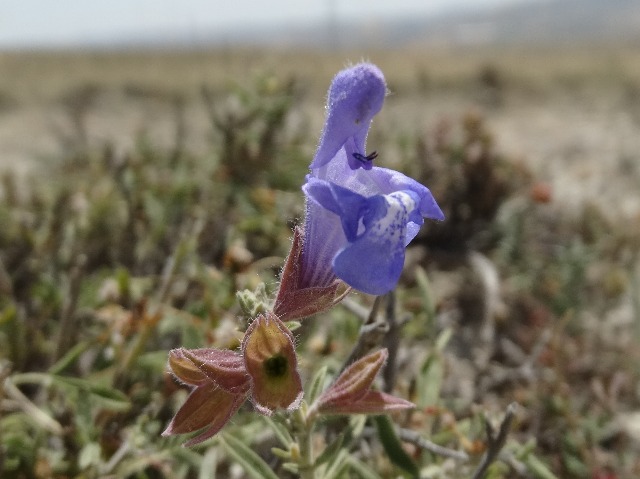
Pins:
<point x="154" y="361"/>
<point x="332" y="449"/>
<point x="360" y="468"/>
<point x="337" y="466"/>
<point x="317" y="384"/>
<point x="432" y="372"/>
<point x="429" y="381"/>
<point x="393" y="446"/>
<point x="291" y="467"/>
<point x="253" y="464"/>
<point x="537" y="468"/>
<point x="344" y="440"/>
<point x="293" y="325"/>
<point x="109" y="398"/>
<point x="68" y="359"/>
<point x="89" y="455"/>
<point x="443" y="339"/>
<point x="427" y="298"/>
<point x="209" y="464"/>
<point x="280" y="431"/>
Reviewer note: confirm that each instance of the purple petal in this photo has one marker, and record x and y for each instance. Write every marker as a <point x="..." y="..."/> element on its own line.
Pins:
<point x="364" y="267"/>
<point x="355" y="96"/>
<point x="323" y="238"/>
<point x="374" y="261"/>
<point x="390" y="180"/>
<point x="341" y="201"/>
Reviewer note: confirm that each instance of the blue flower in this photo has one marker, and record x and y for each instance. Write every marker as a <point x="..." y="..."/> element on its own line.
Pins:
<point x="359" y="218"/>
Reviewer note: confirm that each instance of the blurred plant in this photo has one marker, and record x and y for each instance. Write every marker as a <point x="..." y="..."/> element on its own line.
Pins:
<point x="470" y="179"/>
<point x="491" y="83"/>
<point x="77" y="103"/>
<point x="105" y="259"/>
<point x="109" y="259"/>
<point x="529" y="289"/>
<point x="252" y="125"/>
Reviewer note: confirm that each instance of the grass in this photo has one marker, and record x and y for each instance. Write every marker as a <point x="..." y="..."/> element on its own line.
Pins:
<point x="111" y="255"/>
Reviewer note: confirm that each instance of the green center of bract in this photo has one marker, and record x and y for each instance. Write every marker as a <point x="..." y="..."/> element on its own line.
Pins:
<point x="276" y="366"/>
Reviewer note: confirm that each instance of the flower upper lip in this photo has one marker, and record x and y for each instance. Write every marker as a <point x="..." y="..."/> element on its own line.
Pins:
<point x="355" y="97"/>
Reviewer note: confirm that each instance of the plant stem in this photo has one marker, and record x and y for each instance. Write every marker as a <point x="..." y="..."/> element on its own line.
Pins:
<point x="372" y="333"/>
<point x="37" y="415"/>
<point x="307" y="471"/>
<point x="305" y="420"/>
<point x="68" y="326"/>
<point x="495" y="441"/>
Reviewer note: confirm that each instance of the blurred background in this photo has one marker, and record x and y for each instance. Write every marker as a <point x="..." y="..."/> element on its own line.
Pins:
<point x="542" y="69"/>
<point x="151" y="157"/>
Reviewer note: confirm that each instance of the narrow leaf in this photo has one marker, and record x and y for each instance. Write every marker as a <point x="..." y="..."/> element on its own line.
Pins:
<point x="279" y="430"/>
<point x="209" y="464"/>
<point x="360" y="468"/>
<point x="332" y="449"/>
<point x="429" y="381"/>
<point x="427" y="298"/>
<point x="254" y="465"/>
<point x="393" y="446"/>
<point x="344" y="440"/>
<point x="337" y="466"/>
<point x="317" y="384"/>
<point x="69" y="357"/>
<point x="109" y="398"/>
<point x="538" y="468"/>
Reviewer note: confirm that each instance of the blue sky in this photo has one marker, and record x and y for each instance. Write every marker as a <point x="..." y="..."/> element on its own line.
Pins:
<point x="76" y="22"/>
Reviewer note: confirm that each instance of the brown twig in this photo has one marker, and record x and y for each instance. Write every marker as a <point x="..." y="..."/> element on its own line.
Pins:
<point x="407" y="435"/>
<point x="372" y="333"/>
<point x="525" y="371"/>
<point x="67" y="319"/>
<point x="152" y="316"/>
<point x="391" y="341"/>
<point x="495" y="441"/>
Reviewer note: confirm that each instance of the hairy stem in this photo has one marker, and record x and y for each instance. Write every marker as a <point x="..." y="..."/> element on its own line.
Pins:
<point x="304" y="420"/>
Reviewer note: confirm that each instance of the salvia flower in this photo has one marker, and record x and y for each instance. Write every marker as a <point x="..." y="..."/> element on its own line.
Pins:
<point x="351" y="393"/>
<point x="359" y="218"/>
<point x="265" y="371"/>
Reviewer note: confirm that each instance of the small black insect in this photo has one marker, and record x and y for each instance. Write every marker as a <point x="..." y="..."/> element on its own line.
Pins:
<point x="362" y="158"/>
